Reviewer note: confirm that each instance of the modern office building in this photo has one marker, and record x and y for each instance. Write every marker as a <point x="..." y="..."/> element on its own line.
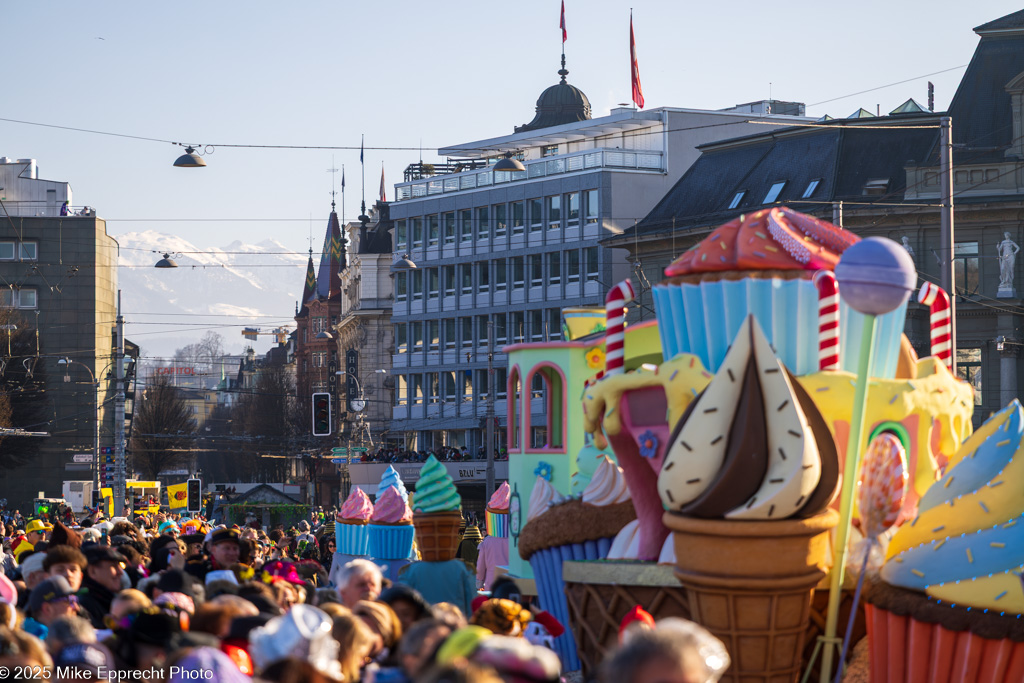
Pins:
<point x="513" y="248"/>
<point x="58" y="271"/>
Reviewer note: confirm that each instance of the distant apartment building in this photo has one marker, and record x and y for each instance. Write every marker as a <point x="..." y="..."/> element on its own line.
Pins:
<point x="515" y="248"/>
<point x="58" y="272"/>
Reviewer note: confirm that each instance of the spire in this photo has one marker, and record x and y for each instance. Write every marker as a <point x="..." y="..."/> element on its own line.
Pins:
<point x="328" y="283"/>
<point x="309" y="289"/>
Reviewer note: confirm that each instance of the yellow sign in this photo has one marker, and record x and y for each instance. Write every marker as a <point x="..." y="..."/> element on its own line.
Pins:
<point x="177" y="495"/>
<point x="108" y="501"/>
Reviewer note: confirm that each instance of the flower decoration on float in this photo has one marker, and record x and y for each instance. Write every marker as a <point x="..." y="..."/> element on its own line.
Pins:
<point x="595" y="358"/>
<point x="648" y="444"/>
<point x="543" y="470"/>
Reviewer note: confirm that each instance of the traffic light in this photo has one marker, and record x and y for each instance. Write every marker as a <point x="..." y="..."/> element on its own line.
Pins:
<point x="195" y="495"/>
<point x="321" y="414"/>
<point x="97" y="498"/>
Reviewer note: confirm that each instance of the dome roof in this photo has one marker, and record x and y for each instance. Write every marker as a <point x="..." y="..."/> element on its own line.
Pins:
<point x="559" y="104"/>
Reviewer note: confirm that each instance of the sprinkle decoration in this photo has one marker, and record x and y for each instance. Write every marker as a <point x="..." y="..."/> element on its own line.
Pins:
<point x="883" y="484"/>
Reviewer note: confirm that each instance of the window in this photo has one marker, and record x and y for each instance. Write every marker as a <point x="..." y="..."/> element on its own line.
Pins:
<point x="514" y="409"/>
<point x="554" y="267"/>
<point x="467" y="385"/>
<point x="29" y="251"/>
<point x="536" y="214"/>
<point x="554" y="211"/>
<point x="536" y="270"/>
<point x="481" y="330"/>
<point x="449" y="227"/>
<point x="537" y="325"/>
<point x="416" y="389"/>
<point x="467" y="331"/>
<point x="448" y="387"/>
<point x="501" y="383"/>
<point x="876" y="186"/>
<point x="416" y="336"/>
<point x="554" y="323"/>
<point x="402" y="390"/>
<point x="572" y="206"/>
<point x="518" y="272"/>
<point x="401" y="238"/>
<point x="537" y="391"/>
<point x="483" y="275"/>
<point x="449" y="280"/>
<point x="467" y="278"/>
<point x="811" y="187"/>
<point x="590" y="255"/>
<point x="433" y="338"/>
<point x="417" y="232"/>
<point x="466" y="225"/>
<point x="432" y="283"/>
<point x="518" y="325"/>
<point x="500" y="275"/>
<point x="968" y="368"/>
<point x="549" y="150"/>
<point x="433" y="230"/>
<point x="401" y="286"/>
<point x="483" y="223"/>
<point x="449" y="333"/>
<point x="500" y="329"/>
<point x="591" y="206"/>
<point x="401" y="337"/>
<point x="736" y="199"/>
<point x="774" y="192"/>
<point x="26" y="251"/>
<point x="518" y="217"/>
<point x="481" y="384"/>
<point x="966" y="268"/>
<point x="433" y="385"/>
<point x="500" y="221"/>
<point x="417" y="285"/>
<point x="572" y="266"/>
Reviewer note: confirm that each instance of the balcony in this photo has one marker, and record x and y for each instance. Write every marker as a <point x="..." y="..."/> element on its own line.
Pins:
<point x="613" y="159"/>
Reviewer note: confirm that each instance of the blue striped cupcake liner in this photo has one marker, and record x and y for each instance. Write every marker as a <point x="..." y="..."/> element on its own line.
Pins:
<point x="352" y="539"/>
<point x="391" y="542"/>
<point x="547" y="570"/>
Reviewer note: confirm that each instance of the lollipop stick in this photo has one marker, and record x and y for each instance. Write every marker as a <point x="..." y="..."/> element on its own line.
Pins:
<point x="853" y="611"/>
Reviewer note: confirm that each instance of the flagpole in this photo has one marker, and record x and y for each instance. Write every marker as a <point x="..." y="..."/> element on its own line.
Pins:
<point x="343" y="194"/>
<point x="362" y="163"/>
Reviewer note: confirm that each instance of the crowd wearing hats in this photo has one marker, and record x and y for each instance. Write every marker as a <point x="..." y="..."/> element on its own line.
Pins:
<point x="179" y="599"/>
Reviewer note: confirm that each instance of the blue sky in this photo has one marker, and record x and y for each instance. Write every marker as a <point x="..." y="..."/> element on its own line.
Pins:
<point x="405" y="74"/>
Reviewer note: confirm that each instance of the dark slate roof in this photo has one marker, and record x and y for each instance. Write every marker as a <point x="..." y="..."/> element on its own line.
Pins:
<point x="982" y="117"/>
<point x="377" y="239"/>
<point x="841" y="157"/>
<point x="1007" y="23"/>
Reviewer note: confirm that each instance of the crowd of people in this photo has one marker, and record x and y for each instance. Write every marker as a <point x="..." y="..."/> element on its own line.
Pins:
<point x="171" y="598"/>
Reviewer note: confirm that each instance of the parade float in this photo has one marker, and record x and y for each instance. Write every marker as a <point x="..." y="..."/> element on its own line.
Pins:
<point x="729" y="419"/>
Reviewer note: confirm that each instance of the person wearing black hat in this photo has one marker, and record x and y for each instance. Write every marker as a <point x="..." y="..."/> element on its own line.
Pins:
<point x="224" y="551"/>
<point x="91" y="659"/>
<point x="49" y="601"/>
<point x="407" y="603"/>
<point x="102" y="581"/>
<point x="152" y="635"/>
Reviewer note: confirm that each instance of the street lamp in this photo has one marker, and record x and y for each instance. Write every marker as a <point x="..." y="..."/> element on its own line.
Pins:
<point x="403" y="264"/>
<point x="65" y="364"/>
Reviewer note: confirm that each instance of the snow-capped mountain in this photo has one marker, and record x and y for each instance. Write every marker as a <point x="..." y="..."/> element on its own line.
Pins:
<point x="213" y="288"/>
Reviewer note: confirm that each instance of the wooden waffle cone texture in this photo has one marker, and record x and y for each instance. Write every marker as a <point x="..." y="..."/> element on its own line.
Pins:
<point x="437" y="535"/>
<point x="751" y="584"/>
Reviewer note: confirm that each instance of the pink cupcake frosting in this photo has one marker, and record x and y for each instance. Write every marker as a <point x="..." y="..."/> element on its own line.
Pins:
<point x="500" y="499"/>
<point x="357" y="506"/>
<point x="391" y="509"/>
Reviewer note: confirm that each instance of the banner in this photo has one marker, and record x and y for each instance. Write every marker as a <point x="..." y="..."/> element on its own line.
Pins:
<point x="177" y="495"/>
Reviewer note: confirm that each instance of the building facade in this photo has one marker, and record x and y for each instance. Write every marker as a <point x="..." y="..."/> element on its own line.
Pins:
<point x="511" y="249"/>
<point x="364" y="334"/>
<point x="880" y="176"/>
<point x="59" y="281"/>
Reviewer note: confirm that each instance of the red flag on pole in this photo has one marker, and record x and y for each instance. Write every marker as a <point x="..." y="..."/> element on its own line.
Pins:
<point x="561" y="23"/>
<point x="383" y="194"/>
<point x="638" y="93"/>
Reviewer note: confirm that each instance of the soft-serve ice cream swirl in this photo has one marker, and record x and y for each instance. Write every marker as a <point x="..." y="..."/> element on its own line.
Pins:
<point x="543" y="496"/>
<point x="752" y="445"/>
<point x="607" y="486"/>
<point x="391" y="509"/>
<point x="966" y="546"/>
<point x="357" y="506"/>
<point x="391" y="479"/>
<point x="435" y="490"/>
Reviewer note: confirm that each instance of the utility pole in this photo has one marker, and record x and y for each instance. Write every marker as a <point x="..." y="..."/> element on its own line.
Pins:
<point x="837" y="214"/>
<point x="946" y="180"/>
<point x="119" y="464"/>
<point x="491" y="389"/>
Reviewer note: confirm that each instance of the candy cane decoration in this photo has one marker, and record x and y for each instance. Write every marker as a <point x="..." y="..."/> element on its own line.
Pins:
<point x="615" y="326"/>
<point x="828" y="320"/>
<point x="937" y="299"/>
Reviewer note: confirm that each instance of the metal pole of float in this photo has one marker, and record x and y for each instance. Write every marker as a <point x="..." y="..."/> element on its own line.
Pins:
<point x="491" y="390"/>
<point x="946" y="180"/>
